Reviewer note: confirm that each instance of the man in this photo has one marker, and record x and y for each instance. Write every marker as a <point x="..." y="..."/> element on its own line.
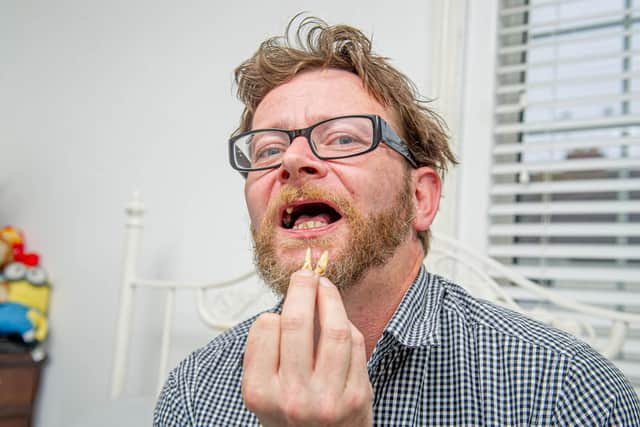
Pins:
<point x="342" y="158"/>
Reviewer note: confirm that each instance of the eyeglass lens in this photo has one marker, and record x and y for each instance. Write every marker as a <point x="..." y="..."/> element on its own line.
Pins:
<point x="339" y="137"/>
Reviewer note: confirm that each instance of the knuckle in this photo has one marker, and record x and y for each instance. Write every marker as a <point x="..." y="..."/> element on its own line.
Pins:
<point x="338" y="333"/>
<point x="295" y="408"/>
<point x="266" y="322"/>
<point x="359" y="398"/>
<point x="256" y="399"/>
<point x="328" y="412"/>
<point x="292" y="322"/>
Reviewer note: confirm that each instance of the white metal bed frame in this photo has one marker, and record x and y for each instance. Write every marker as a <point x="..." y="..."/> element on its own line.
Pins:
<point x="482" y="276"/>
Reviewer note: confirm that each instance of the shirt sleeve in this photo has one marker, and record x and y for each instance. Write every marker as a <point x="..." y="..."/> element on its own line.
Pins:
<point x="170" y="410"/>
<point x="596" y="393"/>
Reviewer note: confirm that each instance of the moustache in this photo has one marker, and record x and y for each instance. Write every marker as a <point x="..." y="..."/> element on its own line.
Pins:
<point x="289" y="194"/>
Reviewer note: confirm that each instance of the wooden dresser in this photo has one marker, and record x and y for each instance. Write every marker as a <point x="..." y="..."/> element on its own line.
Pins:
<point x="19" y="377"/>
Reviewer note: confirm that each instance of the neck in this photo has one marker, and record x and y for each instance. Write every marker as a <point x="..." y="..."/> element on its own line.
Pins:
<point x="371" y="302"/>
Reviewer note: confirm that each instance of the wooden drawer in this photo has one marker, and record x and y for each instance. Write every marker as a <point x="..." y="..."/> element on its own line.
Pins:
<point x="19" y="376"/>
<point x="16" y="421"/>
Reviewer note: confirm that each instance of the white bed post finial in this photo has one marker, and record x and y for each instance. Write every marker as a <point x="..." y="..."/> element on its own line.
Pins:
<point x="135" y="212"/>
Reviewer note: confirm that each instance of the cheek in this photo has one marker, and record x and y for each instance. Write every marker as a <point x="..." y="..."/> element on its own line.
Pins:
<point x="256" y="200"/>
<point x="382" y="196"/>
<point x="378" y="188"/>
<point x="259" y="190"/>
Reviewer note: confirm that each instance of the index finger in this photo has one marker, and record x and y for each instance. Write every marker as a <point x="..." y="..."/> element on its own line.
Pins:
<point x="296" y="327"/>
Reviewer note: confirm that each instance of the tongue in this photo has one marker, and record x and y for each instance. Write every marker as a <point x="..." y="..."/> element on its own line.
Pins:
<point x="323" y="218"/>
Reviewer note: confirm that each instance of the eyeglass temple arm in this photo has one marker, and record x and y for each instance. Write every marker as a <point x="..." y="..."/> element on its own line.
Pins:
<point x="391" y="138"/>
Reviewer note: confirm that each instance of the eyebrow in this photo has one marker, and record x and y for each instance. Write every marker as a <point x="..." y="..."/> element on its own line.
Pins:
<point x="284" y="124"/>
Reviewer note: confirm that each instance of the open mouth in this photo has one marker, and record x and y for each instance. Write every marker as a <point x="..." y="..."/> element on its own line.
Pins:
<point x="309" y="215"/>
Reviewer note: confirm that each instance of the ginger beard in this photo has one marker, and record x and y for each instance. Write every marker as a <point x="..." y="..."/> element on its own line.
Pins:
<point x="373" y="239"/>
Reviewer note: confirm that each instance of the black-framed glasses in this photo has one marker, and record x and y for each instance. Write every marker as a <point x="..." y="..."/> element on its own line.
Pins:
<point x="335" y="138"/>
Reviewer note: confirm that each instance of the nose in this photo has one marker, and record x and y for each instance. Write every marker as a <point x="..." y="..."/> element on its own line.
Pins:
<point x="299" y="163"/>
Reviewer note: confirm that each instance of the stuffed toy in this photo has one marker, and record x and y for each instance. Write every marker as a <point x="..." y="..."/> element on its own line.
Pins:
<point x="5" y="253"/>
<point x="11" y="243"/>
<point x="24" y="298"/>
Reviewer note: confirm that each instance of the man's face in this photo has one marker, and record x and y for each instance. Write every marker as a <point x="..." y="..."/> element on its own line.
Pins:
<point x="359" y="208"/>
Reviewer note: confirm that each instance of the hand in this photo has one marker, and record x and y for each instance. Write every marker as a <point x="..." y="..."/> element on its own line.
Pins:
<point x="286" y="383"/>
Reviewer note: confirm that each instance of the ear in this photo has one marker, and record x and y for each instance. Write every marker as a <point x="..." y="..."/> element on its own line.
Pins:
<point x="426" y="196"/>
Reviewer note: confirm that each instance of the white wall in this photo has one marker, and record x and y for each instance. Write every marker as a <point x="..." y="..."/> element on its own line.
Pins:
<point x="477" y="124"/>
<point x="100" y="98"/>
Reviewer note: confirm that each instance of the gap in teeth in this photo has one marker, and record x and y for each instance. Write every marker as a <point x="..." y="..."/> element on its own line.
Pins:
<point x="286" y="220"/>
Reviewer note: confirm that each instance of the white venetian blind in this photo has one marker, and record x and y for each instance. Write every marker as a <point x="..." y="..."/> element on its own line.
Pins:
<point x="565" y="175"/>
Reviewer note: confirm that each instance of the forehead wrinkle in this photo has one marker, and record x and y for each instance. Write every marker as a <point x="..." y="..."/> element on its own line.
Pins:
<point x="314" y="96"/>
<point x="310" y="119"/>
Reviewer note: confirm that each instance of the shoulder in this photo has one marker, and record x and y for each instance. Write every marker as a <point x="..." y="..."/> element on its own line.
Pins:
<point x="214" y="369"/>
<point x="596" y="392"/>
<point x="494" y="322"/>
<point x="228" y="345"/>
<point x="583" y="384"/>
<point x="225" y="349"/>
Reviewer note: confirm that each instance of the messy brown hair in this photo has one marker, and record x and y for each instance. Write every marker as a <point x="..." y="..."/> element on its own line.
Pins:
<point x="316" y="45"/>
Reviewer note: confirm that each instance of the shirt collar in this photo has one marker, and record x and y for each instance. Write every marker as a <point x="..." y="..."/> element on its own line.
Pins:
<point x="416" y="321"/>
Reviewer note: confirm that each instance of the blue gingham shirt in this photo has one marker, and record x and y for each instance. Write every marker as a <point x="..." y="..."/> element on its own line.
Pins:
<point x="444" y="359"/>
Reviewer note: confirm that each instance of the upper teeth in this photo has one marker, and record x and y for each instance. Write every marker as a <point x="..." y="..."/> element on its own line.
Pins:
<point x="289" y="210"/>
<point x="308" y="224"/>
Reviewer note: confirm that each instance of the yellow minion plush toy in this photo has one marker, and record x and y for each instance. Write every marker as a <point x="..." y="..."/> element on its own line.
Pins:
<point x="24" y="301"/>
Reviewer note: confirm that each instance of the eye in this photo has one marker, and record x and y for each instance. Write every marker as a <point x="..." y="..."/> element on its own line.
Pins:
<point x="267" y="152"/>
<point x="343" y="135"/>
<point x="36" y="276"/>
<point x="344" y="140"/>
<point x="267" y="146"/>
<point x="15" y="271"/>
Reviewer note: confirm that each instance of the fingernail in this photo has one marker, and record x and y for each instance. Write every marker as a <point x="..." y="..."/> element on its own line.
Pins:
<point x="305" y="273"/>
<point x="325" y="282"/>
<point x="307" y="260"/>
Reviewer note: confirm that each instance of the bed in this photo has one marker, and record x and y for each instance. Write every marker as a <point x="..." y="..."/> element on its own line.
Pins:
<point x="605" y="329"/>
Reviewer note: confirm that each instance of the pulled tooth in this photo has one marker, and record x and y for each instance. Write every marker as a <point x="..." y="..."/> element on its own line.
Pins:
<point x="307" y="260"/>
<point x="321" y="266"/>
